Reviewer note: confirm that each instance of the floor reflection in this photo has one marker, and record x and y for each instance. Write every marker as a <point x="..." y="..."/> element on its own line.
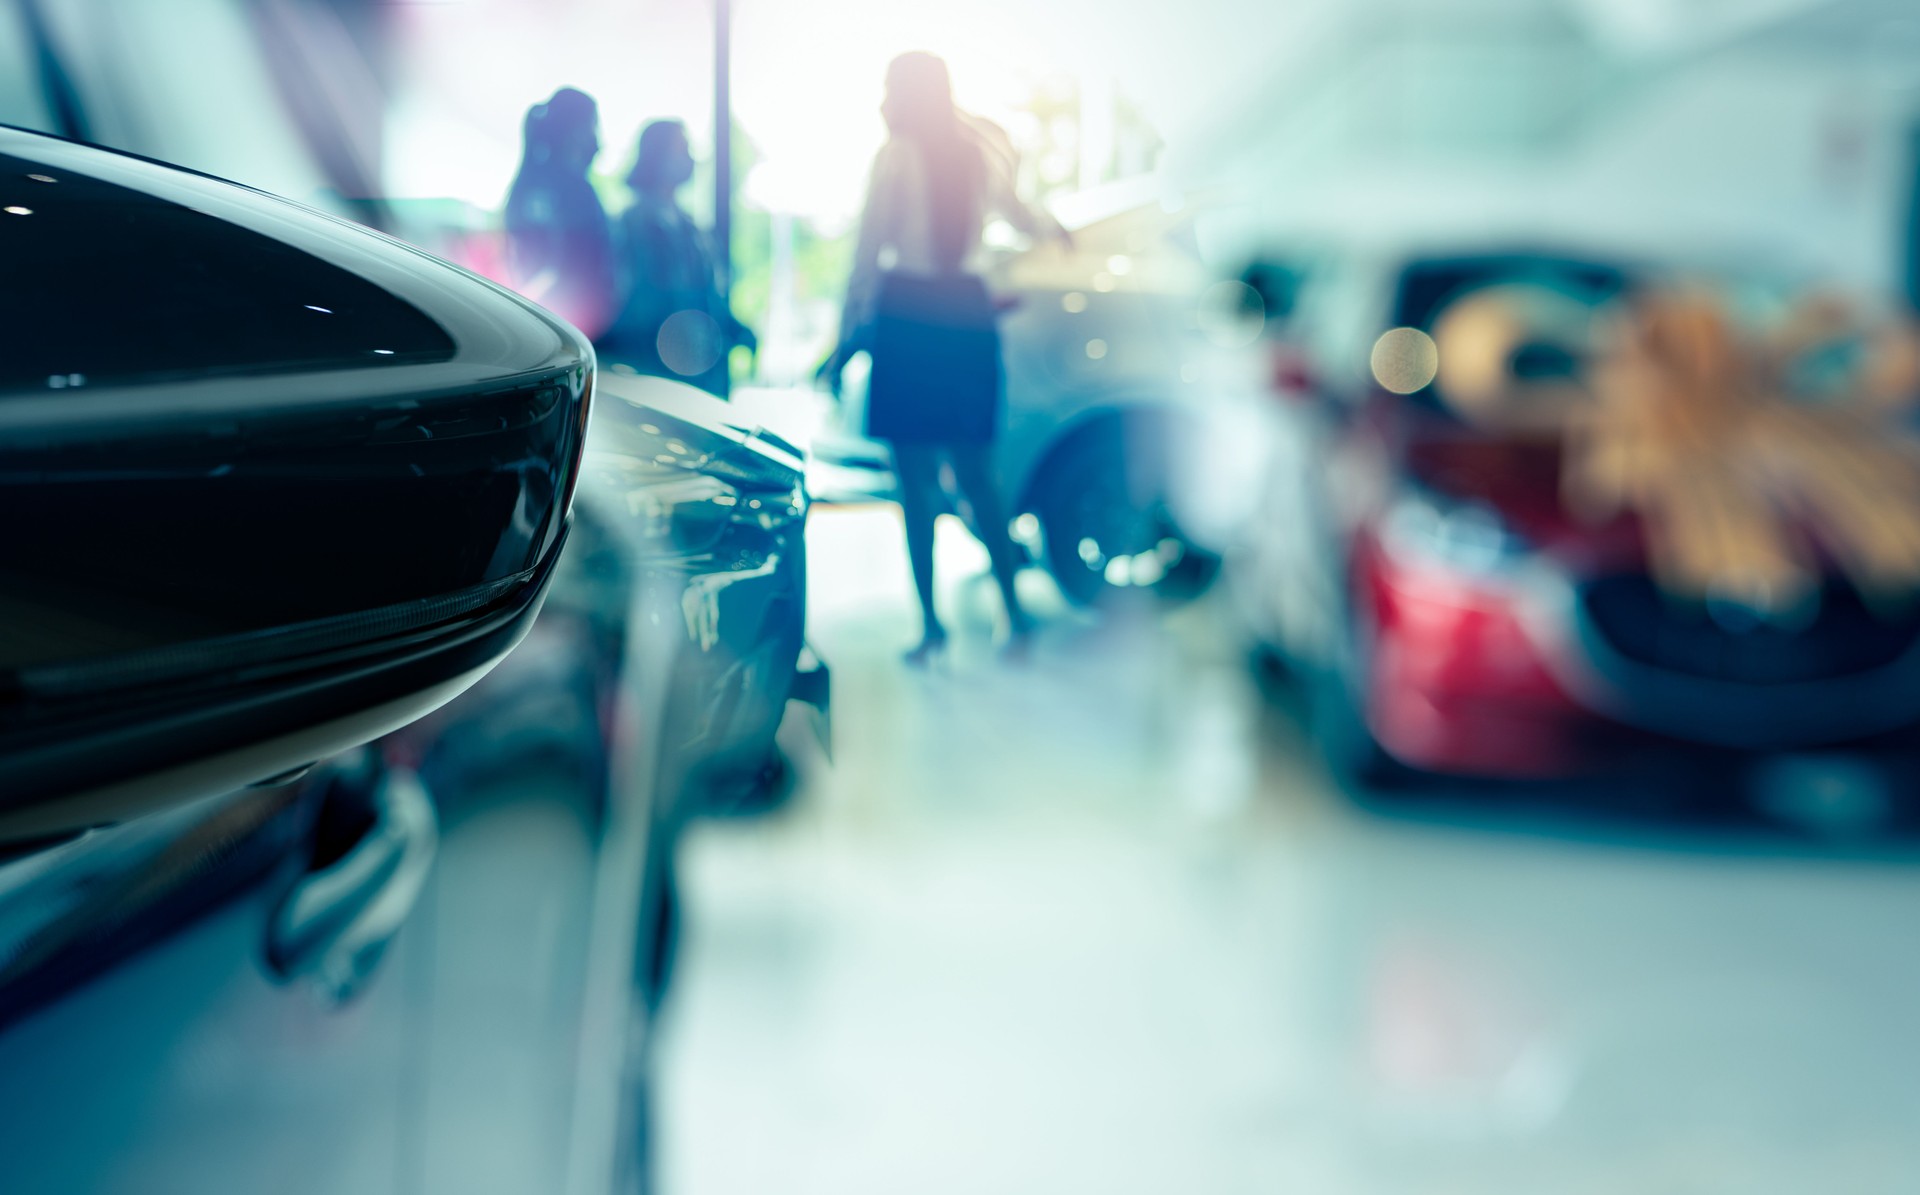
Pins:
<point x="1098" y="923"/>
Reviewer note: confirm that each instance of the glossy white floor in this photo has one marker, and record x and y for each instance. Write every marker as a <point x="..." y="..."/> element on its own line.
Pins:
<point x="1099" y="924"/>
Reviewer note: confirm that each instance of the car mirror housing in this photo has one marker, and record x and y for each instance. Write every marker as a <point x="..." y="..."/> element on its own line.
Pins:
<point x="273" y="484"/>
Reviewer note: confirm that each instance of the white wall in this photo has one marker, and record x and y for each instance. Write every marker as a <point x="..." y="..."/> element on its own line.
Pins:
<point x="1464" y="122"/>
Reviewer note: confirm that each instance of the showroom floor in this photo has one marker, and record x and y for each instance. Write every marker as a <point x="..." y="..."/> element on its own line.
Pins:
<point x="1098" y="923"/>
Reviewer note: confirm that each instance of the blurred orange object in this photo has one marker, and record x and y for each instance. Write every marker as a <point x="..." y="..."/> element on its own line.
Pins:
<point x="1745" y="486"/>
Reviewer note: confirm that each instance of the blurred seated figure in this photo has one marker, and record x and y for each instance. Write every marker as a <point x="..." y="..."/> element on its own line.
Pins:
<point x="674" y="320"/>
<point x="559" y="246"/>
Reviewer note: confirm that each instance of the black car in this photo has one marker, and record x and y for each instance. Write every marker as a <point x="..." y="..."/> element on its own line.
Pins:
<point x="362" y="657"/>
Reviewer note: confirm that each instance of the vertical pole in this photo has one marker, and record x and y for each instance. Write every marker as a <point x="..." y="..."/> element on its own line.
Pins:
<point x="779" y="367"/>
<point x="1910" y="235"/>
<point x="723" y="142"/>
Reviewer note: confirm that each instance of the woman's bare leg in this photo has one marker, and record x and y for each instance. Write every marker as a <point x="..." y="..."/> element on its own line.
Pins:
<point x="981" y="509"/>
<point x="917" y="468"/>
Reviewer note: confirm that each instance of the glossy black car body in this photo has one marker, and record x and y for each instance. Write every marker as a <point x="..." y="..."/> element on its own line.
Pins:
<point x="427" y="964"/>
<point x="199" y="377"/>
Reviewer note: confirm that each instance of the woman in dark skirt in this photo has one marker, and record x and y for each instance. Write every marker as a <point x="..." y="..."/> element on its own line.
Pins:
<point x="917" y="305"/>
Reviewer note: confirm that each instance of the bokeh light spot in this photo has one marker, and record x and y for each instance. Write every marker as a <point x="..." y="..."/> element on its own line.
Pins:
<point x="1405" y="360"/>
<point x="689" y="343"/>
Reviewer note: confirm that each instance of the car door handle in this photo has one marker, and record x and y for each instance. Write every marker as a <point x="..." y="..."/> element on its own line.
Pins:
<point x="336" y="922"/>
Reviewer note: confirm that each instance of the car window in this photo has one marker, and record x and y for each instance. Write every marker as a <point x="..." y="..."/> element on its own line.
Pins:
<point x="21" y="100"/>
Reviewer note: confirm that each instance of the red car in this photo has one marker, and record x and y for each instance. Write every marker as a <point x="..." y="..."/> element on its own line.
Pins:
<point x="1449" y="616"/>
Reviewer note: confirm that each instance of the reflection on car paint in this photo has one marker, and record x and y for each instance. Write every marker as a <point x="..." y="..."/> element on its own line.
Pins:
<point x="700" y="601"/>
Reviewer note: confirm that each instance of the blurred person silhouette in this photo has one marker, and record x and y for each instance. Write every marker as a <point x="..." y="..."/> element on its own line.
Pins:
<point x="674" y="320"/>
<point x="917" y="305"/>
<point x="559" y="244"/>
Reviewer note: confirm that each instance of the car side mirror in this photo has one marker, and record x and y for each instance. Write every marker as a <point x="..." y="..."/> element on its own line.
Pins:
<point x="273" y="485"/>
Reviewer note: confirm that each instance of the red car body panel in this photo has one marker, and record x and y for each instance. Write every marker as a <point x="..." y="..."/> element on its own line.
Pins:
<point x="1455" y="681"/>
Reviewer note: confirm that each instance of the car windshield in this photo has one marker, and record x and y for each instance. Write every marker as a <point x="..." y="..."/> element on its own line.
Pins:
<point x="1427" y="288"/>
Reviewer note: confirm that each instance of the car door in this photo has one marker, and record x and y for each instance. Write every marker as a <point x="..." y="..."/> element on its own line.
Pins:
<point x="149" y="1040"/>
<point x="527" y="927"/>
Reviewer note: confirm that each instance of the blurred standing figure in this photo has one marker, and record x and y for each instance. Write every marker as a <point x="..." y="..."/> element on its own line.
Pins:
<point x="918" y="306"/>
<point x="559" y="246"/>
<point x="674" y="321"/>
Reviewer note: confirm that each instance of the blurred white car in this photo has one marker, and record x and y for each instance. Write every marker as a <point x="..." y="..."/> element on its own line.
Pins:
<point x="1106" y="348"/>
